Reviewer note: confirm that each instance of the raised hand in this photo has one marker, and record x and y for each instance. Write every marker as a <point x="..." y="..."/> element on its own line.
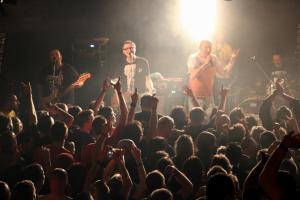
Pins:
<point x="26" y="88"/>
<point x="136" y="152"/>
<point x="154" y="102"/>
<point x="187" y="91"/>
<point x="106" y="85"/>
<point x="224" y="91"/>
<point x="117" y="85"/>
<point x="135" y="97"/>
<point x="235" y="54"/>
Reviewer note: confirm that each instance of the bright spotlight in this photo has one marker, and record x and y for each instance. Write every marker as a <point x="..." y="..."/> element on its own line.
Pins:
<point x="198" y="17"/>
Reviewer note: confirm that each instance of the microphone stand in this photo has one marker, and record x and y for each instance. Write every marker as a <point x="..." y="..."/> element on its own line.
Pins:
<point x="259" y="66"/>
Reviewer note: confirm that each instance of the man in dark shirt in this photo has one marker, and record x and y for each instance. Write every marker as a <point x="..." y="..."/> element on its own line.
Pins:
<point x="136" y="70"/>
<point x="56" y="78"/>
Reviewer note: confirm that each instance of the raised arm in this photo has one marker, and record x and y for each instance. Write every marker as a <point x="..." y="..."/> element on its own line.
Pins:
<point x="265" y="111"/>
<point x="268" y="175"/>
<point x="186" y="185"/>
<point x="31" y="108"/>
<point x="141" y="187"/>
<point x="223" y="94"/>
<point x="105" y="86"/>
<point x="153" y="119"/>
<point x="188" y="92"/>
<point x="66" y="117"/>
<point x="127" y="182"/>
<point x="134" y="100"/>
<point x="123" y="106"/>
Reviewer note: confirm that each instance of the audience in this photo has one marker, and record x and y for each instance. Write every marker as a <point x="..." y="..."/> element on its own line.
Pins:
<point x="69" y="152"/>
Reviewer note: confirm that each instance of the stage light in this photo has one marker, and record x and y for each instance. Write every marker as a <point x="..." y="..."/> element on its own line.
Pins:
<point x="198" y="18"/>
<point x="92" y="45"/>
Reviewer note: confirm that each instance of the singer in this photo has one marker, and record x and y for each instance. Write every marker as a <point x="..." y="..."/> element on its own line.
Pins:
<point x="202" y="68"/>
<point x="57" y="76"/>
<point x="136" y="70"/>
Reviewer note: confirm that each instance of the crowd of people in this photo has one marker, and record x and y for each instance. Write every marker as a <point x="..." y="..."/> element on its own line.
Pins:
<point x="70" y="152"/>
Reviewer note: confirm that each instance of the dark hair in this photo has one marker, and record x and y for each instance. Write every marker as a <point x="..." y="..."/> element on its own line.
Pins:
<point x="35" y="173"/>
<point x="223" y="161"/>
<point x="59" y="131"/>
<point x="163" y="163"/>
<point x="133" y="131"/>
<point x="98" y="124"/>
<point x="60" y="174"/>
<point x="205" y="140"/>
<point x="106" y="111"/>
<point x="266" y="139"/>
<point x="62" y="106"/>
<point x="77" y="173"/>
<point x="197" y="115"/>
<point x="24" y="190"/>
<point x="282" y="112"/>
<point x="4" y="191"/>
<point x="179" y="115"/>
<point x="251" y="121"/>
<point x="221" y="183"/>
<point x="184" y="146"/>
<point x="83" y="196"/>
<point x="83" y="117"/>
<point x="161" y="193"/>
<point x="236" y="114"/>
<point x="74" y="110"/>
<point x="193" y="169"/>
<point x="8" y="142"/>
<point x="236" y="133"/>
<point x="5" y="124"/>
<point x="155" y="180"/>
<point x="102" y="189"/>
<point x="45" y="123"/>
<point x="234" y="152"/>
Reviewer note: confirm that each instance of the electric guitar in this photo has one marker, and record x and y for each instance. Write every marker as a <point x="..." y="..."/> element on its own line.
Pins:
<point x="56" y="95"/>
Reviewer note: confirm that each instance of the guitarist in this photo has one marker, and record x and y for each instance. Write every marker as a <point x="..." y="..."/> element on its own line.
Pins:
<point x="55" y="79"/>
<point x="202" y="68"/>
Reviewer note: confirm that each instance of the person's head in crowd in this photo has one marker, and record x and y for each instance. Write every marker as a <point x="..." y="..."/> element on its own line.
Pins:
<point x="8" y="143"/>
<point x="287" y="185"/>
<point x="8" y="103"/>
<point x="74" y="111"/>
<point x="6" y="124"/>
<point x="157" y="144"/>
<point x="63" y="106"/>
<point x="165" y="125"/>
<point x="17" y="125"/>
<point x="255" y="133"/>
<point x="85" y="119"/>
<point x="109" y="115"/>
<point x="266" y="139"/>
<point x="180" y="117"/>
<point x="184" y="146"/>
<point x="193" y="169"/>
<point x="161" y="193"/>
<point x="58" y="182"/>
<point x="154" y="158"/>
<point x="163" y="163"/>
<point x="221" y="150"/>
<point x="77" y="173"/>
<point x="128" y="48"/>
<point x="24" y="190"/>
<point x="283" y="114"/>
<point x="83" y="196"/>
<point x="250" y="121"/>
<point x="221" y="122"/>
<point x="59" y="132"/>
<point x="217" y="169"/>
<point x="155" y="180"/>
<point x="206" y="143"/>
<point x="63" y="160"/>
<point x="98" y="124"/>
<point x="234" y="152"/>
<point x="100" y="190"/>
<point x="236" y="133"/>
<point x="133" y="131"/>
<point x="115" y="184"/>
<point x="220" y="186"/>
<point x="223" y="161"/>
<point x="35" y="173"/>
<point x="197" y="116"/>
<point x="4" y="191"/>
<point x="290" y="166"/>
<point x="146" y="105"/>
<point x="277" y="59"/>
<point x="249" y="147"/>
<point x="45" y="122"/>
<point x="26" y="143"/>
<point x="237" y="116"/>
